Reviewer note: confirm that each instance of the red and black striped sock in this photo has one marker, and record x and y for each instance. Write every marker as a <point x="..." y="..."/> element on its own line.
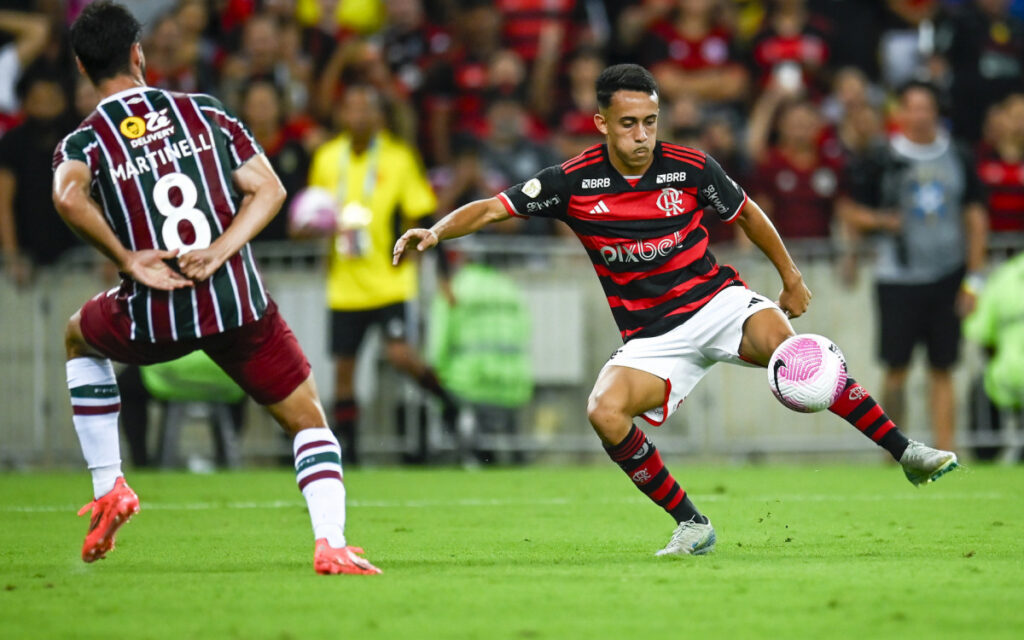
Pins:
<point x="639" y="458"/>
<point x="857" y="407"/>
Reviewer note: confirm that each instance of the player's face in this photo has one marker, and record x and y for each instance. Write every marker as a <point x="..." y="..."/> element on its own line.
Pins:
<point x="630" y="125"/>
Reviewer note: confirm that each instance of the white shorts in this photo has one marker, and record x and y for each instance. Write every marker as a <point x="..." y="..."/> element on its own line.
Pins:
<point x="685" y="354"/>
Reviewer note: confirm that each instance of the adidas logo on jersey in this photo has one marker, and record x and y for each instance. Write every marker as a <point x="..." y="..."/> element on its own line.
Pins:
<point x="600" y="208"/>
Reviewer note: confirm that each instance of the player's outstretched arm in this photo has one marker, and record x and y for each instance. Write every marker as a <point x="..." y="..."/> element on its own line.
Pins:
<point x="465" y="220"/>
<point x="263" y="195"/>
<point x="795" y="296"/>
<point x="71" y="197"/>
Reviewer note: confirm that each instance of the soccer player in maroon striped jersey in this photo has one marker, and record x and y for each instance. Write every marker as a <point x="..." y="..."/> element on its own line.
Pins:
<point x="636" y="205"/>
<point x="182" y="187"/>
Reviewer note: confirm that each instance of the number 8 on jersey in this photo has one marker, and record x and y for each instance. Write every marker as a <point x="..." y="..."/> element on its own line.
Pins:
<point x="175" y="214"/>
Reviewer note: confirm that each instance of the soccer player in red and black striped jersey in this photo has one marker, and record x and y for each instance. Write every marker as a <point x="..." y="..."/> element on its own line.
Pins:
<point x="171" y="187"/>
<point x="636" y="205"/>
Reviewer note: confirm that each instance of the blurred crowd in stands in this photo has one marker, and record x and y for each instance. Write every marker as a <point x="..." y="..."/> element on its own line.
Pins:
<point x="796" y="99"/>
<point x="786" y="94"/>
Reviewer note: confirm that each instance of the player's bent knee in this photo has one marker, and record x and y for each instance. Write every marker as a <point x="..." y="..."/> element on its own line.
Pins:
<point x="75" y="345"/>
<point x="606" y="415"/>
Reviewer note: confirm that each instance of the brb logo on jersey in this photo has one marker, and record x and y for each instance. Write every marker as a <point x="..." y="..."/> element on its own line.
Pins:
<point x="671" y="202"/>
<point x="156" y="124"/>
<point x="596" y="183"/>
<point x="676" y="176"/>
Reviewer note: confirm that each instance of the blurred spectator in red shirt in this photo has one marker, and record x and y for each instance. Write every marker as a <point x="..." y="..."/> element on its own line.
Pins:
<point x="691" y="51"/>
<point x="796" y="183"/>
<point x="789" y="49"/>
<point x="1000" y="164"/>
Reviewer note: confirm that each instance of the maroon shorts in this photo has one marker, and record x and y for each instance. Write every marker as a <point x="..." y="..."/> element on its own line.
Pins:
<point x="263" y="357"/>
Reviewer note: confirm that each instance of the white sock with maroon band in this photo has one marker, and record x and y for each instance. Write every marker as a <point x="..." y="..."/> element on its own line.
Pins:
<point x="95" y="404"/>
<point x="318" y="473"/>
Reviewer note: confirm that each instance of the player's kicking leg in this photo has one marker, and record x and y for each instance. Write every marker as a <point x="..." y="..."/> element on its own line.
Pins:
<point x="619" y="394"/>
<point x="95" y="404"/>
<point x="318" y="472"/>
<point x="767" y="329"/>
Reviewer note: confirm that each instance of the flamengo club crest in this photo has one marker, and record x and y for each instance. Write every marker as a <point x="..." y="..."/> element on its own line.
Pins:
<point x="641" y="476"/>
<point x="671" y="202"/>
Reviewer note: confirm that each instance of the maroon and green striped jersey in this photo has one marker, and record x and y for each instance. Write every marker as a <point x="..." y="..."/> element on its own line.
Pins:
<point x="161" y="167"/>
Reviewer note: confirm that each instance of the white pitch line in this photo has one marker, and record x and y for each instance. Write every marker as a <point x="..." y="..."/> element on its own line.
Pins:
<point x="526" y="502"/>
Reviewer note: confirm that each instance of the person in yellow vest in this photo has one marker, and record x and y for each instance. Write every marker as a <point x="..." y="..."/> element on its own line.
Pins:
<point x="380" y="186"/>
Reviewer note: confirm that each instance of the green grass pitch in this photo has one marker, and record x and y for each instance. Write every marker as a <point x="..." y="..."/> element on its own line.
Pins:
<point x="563" y="553"/>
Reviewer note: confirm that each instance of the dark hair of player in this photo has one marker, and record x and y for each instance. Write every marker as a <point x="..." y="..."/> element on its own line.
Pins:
<point x="102" y="37"/>
<point x="623" y="77"/>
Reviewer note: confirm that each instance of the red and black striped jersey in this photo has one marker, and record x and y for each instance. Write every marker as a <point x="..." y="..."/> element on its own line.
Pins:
<point x="161" y="167"/>
<point x="646" y="240"/>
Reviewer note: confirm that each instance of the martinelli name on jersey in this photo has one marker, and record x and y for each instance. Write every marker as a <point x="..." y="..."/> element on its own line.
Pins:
<point x="645" y="237"/>
<point x="161" y="166"/>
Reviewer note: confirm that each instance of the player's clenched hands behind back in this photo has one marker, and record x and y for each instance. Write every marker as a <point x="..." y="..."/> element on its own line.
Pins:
<point x="148" y="267"/>
<point x="200" y="264"/>
<point x="425" y="238"/>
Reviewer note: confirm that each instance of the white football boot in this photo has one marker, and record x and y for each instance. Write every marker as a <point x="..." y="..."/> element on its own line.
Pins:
<point x="690" y="538"/>
<point x="923" y="464"/>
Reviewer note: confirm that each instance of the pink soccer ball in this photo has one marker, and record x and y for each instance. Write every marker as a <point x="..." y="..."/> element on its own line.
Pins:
<point x="313" y="212"/>
<point x="807" y="373"/>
